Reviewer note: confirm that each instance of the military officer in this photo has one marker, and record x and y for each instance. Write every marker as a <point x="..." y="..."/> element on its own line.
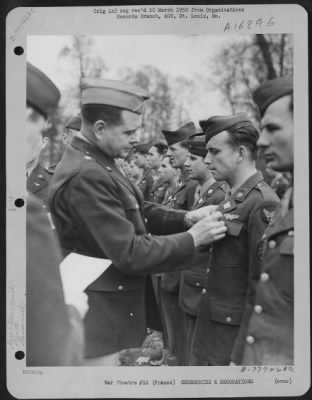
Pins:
<point x="234" y="263"/>
<point x="193" y="281"/>
<point x="99" y="213"/>
<point x="269" y="339"/>
<point x="182" y="198"/>
<point x="54" y="334"/>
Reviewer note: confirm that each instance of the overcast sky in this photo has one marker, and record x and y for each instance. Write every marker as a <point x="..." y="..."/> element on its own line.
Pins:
<point x="175" y="55"/>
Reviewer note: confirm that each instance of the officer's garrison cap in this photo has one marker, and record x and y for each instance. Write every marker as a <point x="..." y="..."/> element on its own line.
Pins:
<point x="180" y="134"/>
<point x="197" y="145"/>
<point x="74" y="123"/>
<point x="217" y="124"/>
<point x="113" y="93"/>
<point x="41" y="93"/>
<point x="271" y="91"/>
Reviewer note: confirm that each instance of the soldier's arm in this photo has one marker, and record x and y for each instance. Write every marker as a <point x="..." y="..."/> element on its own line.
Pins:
<point x="258" y="222"/>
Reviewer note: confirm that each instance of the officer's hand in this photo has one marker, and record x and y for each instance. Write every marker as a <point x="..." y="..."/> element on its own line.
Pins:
<point x="208" y="230"/>
<point x="194" y="216"/>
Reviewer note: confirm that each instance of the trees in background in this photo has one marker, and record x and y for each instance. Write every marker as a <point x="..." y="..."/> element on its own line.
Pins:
<point x="244" y="63"/>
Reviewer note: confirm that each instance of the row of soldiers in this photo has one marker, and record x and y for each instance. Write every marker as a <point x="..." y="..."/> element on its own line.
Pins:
<point x="217" y="253"/>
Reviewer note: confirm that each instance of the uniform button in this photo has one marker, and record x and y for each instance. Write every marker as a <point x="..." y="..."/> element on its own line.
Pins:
<point x="290" y="233"/>
<point x="120" y="287"/>
<point x="263" y="236"/>
<point x="228" y="319"/>
<point x="197" y="283"/>
<point x="272" y="244"/>
<point x="208" y="270"/>
<point x="264" y="277"/>
<point x="137" y="206"/>
<point x="204" y="291"/>
<point x="258" y="309"/>
<point x="146" y="220"/>
<point x="210" y="250"/>
<point x="109" y="169"/>
<point x="87" y="158"/>
<point x="250" y="339"/>
<point x="131" y="314"/>
<point x="37" y="184"/>
<point x="209" y="191"/>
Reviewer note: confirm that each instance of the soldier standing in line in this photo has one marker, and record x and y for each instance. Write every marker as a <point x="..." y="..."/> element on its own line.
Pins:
<point x="140" y="159"/>
<point x="155" y="155"/>
<point x="99" y="213"/>
<point x="235" y="261"/>
<point x="208" y="192"/>
<point x="182" y="198"/>
<point x="269" y="337"/>
<point x="170" y="177"/>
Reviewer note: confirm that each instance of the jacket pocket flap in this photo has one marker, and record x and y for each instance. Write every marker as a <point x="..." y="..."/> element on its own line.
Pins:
<point x="233" y="227"/>
<point x="287" y="246"/>
<point x="225" y="314"/>
<point x="194" y="279"/>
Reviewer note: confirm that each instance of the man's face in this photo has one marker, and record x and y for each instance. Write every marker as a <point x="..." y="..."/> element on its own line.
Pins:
<point x="118" y="140"/>
<point x="276" y="137"/>
<point x="68" y="135"/>
<point x="154" y="158"/>
<point x="196" y="166"/>
<point x="166" y="171"/>
<point x="35" y="126"/>
<point x="221" y="157"/>
<point x="140" y="159"/>
<point x="178" y="155"/>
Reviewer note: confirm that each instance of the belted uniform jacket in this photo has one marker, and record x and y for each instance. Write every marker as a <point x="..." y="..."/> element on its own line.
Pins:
<point x="233" y="270"/>
<point x="99" y="213"/>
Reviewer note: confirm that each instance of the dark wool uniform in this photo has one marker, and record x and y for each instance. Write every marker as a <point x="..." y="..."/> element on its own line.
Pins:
<point x="38" y="182"/>
<point x="99" y="213"/>
<point x="146" y="184"/>
<point x="158" y="192"/>
<point x="54" y="330"/>
<point x="193" y="281"/>
<point x="233" y="270"/>
<point x="269" y="339"/>
<point x="182" y="198"/>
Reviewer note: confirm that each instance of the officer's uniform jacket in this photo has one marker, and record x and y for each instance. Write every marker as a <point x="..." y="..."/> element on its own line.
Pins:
<point x="269" y="339"/>
<point x="54" y="330"/>
<point x="146" y="184"/>
<point x="99" y="213"/>
<point x="38" y="182"/>
<point x="193" y="281"/>
<point x="233" y="270"/>
<point x="181" y="199"/>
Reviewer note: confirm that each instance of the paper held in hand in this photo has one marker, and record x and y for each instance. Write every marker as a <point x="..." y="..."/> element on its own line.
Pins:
<point x="79" y="271"/>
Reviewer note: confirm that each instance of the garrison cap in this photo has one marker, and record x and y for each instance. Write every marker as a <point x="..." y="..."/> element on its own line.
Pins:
<point x="41" y="93"/>
<point x="197" y="145"/>
<point x="74" y="123"/>
<point x="143" y="147"/>
<point x="113" y="93"/>
<point x="214" y="125"/>
<point x="271" y="91"/>
<point x="180" y="134"/>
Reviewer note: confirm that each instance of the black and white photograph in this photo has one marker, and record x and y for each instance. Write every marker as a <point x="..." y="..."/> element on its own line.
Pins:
<point x="160" y="205"/>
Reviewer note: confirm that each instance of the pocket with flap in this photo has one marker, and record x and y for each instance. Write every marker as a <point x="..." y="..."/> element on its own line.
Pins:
<point x="287" y="246"/>
<point x="225" y="314"/>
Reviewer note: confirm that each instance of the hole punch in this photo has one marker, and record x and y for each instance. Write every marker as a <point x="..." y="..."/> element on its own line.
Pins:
<point x="19" y="355"/>
<point x="19" y="202"/>
<point x="18" y="50"/>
